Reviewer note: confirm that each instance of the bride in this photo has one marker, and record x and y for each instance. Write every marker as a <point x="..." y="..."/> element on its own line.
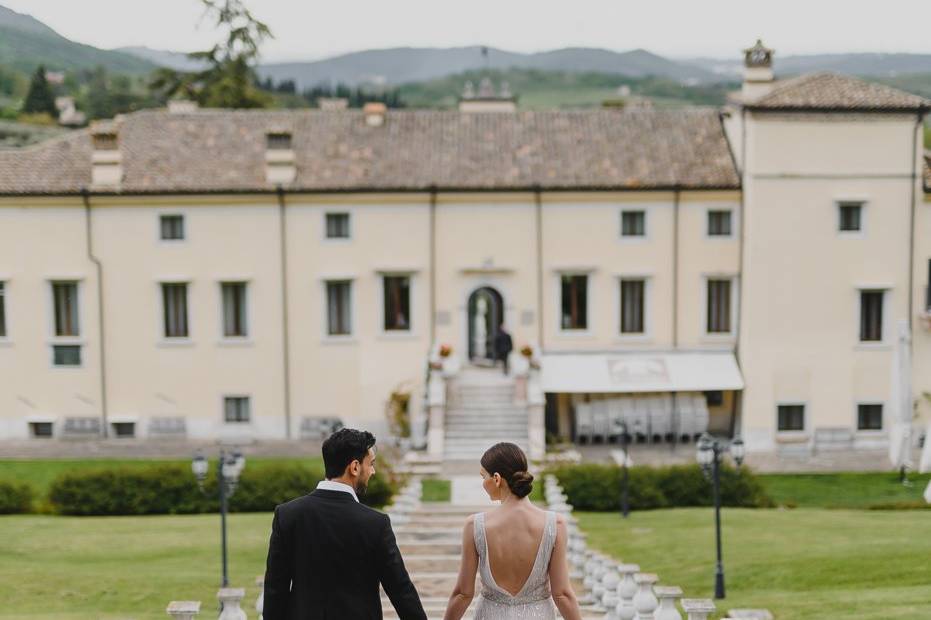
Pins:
<point x="518" y="549"/>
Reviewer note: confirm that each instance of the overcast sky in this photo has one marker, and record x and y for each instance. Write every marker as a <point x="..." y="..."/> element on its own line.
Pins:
<point x="310" y="29"/>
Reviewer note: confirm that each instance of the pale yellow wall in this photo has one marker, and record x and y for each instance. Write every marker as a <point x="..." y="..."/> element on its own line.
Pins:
<point x="149" y="375"/>
<point x="37" y="245"/>
<point x="921" y="333"/>
<point x="352" y="377"/>
<point x="799" y="337"/>
<point x="485" y="241"/>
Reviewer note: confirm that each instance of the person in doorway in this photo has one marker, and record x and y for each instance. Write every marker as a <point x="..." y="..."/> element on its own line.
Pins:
<point x="503" y="346"/>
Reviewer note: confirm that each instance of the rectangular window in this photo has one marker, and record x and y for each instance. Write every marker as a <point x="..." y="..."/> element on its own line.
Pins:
<point x="66" y="355"/>
<point x="337" y="225"/>
<point x="719" y="223"/>
<point x="125" y="430"/>
<point x="632" y="304"/>
<point x="574" y="302"/>
<point x="279" y="141"/>
<point x="236" y="409"/>
<point x="42" y="430"/>
<point x="871" y="316"/>
<point x="714" y="398"/>
<point x="65" y="296"/>
<point x="174" y="304"/>
<point x="719" y="307"/>
<point x="928" y="289"/>
<point x="2" y="309"/>
<point x="172" y="227"/>
<point x="791" y="417"/>
<point x="234" y="309"/>
<point x="397" y="303"/>
<point x="850" y="216"/>
<point x="339" y="301"/>
<point x="633" y="223"/>
<point x="870" y="417"/>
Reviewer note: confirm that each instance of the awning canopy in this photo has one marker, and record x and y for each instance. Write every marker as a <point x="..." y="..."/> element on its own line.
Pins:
<point x="594" y="373"/>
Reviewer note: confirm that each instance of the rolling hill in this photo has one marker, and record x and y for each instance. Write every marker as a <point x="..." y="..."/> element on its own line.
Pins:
<point x="25" y="43"/>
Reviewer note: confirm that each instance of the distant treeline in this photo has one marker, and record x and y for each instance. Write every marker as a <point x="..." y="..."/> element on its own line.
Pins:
<point x="357" y="97"/>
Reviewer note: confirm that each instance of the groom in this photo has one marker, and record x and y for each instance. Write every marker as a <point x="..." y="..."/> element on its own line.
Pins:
<point x="328" y="552"/>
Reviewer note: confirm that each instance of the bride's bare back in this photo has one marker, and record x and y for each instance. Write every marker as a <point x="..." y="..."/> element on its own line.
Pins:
<point x="514" y="538"/>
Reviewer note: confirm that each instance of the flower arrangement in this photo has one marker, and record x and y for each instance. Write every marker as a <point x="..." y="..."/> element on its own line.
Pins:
<point x="526" y="350"/>
<point x="445" y="350"/>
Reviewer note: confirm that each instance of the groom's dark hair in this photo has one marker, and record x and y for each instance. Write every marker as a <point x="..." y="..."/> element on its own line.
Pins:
<point x="343" y="447"/>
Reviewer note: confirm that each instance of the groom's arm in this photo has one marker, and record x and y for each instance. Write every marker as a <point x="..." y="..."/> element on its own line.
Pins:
<point x="277" y="574"/>
<point x="394" y="578"/>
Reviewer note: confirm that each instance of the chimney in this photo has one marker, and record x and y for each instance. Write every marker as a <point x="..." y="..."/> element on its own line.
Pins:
<point x="486" y="99"/>
<point x="375" y="113"/>
<point x="106" y="159"/>
<point x="182" y="106"/>
<point x="279" y="157"/>
<point x="758" y="72"/>
<point x="332" y="104"/>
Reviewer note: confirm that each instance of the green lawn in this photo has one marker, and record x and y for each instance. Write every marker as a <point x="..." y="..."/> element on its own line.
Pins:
<point x="435" y="490"/>
<point x="803" y="564"/>
<point x="843" y="490"/>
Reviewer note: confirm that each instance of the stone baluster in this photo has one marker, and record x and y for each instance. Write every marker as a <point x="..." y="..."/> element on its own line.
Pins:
<point x="645" y="601"/>
<point x="260" y="601"/>
<point x="698" y="608"/>
<point x="183" y="610"/>
<point x="610" y="598"/>
<point x="231" y="603"/>
<point x="598" y="589"/>
<point x="588" y="581"/>
<point x="626" y="590"/>
<point x="667" y="596"/>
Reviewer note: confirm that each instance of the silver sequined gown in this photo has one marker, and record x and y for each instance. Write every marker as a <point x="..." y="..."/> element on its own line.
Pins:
<point x="534" y="600"/>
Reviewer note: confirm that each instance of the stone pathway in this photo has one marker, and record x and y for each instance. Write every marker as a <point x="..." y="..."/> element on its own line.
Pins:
<point x="430" y="540"/>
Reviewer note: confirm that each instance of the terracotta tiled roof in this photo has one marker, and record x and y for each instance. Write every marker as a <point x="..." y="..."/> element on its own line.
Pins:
<point x="224" y="151"/>
<point x="834" y="91"/>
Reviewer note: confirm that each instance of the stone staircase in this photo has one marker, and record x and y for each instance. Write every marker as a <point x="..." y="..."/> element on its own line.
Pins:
<point x="429" y="537"/>
<point x="480" y="411"/>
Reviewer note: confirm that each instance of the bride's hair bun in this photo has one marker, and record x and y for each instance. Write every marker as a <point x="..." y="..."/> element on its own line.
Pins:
<point x="521" y="483"/>
<point x="510" y="462"/>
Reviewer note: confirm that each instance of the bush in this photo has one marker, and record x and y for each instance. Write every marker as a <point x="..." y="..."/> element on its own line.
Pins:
<point x="173" y="489"/>
<point x="598" y="487"/>
<point x="15" y="497"/>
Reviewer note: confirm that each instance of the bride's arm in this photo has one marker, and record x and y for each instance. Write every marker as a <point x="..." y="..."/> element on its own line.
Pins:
<point x="563" y="595"/>
<point x="464" y="591"/>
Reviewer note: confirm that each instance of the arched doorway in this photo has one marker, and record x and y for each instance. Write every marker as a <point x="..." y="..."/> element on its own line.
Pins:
<point x="486" y="313"/>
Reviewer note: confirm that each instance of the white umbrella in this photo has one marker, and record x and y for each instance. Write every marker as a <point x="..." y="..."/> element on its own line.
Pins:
<point x="901" y="435"/>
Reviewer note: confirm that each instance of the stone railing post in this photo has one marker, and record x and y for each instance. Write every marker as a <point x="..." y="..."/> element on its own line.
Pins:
<point x="183" y="610"/>
<point x="260" y="601"/>
<point x="536" y="422"/>
<point x="436" y="406"/>
<point x="610" y="598"/>
<point x="645" y="601"/>
<point x="626" y="590"/>
<point x="698" y="608"/>
<point x="231" y="601"/>
<point x="667" y="596"/>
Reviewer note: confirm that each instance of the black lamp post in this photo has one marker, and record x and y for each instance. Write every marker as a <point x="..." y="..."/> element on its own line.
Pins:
<point x="625" y="481"/>
<point x="709" y="452"/>
<point x="231" y="465"/>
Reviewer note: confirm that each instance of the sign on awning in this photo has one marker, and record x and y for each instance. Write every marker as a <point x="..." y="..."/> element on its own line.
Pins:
<point x="594" y="373"/>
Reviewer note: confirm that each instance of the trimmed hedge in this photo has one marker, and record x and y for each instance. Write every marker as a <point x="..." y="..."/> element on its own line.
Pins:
<point x="598" y="487"/>
<point x="15" y="497"/>
<point x="173" y="489"/>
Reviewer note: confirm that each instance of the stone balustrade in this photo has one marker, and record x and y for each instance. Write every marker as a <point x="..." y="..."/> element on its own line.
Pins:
<point x="183" y="610"/>
<point x="622" y="591"/>
<point x="260" y="600"/>
<point x="231" y="602"/>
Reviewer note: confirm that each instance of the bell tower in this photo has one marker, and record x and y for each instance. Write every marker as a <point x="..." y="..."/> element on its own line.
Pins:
<point x="758" y="71"/>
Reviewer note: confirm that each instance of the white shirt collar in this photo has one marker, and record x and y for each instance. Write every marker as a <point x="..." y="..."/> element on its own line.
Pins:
<point x="331" y="485"/>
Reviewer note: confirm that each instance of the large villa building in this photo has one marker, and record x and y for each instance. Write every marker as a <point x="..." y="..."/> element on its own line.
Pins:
<point x="240" y="274"/>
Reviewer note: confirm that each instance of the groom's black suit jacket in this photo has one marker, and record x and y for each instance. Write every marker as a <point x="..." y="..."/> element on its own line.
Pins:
<point x="326" y="557"/>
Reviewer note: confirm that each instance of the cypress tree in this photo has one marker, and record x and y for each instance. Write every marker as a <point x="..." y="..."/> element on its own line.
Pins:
<point x="40" y="98"/>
